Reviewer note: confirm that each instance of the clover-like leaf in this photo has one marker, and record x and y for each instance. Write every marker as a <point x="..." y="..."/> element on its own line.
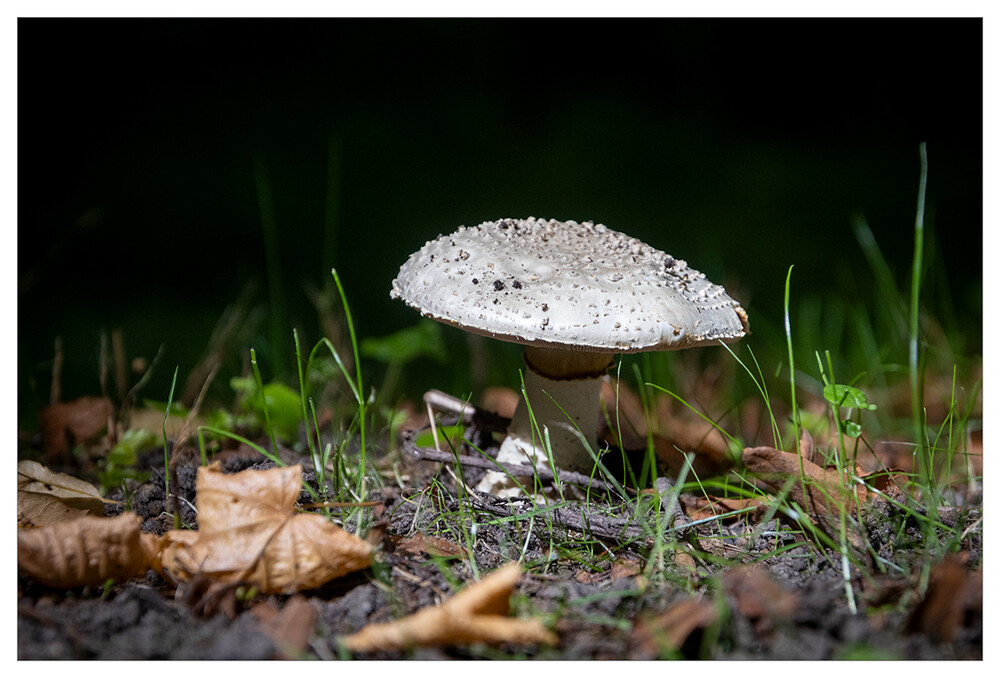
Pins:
<point x="842" y="395"/>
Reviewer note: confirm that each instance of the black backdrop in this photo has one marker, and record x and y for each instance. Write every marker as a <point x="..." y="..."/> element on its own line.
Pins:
<point x="743" y="146"/>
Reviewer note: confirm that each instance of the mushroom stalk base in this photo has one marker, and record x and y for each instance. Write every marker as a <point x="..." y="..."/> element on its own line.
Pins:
<point x="569" y="408"/>
<point x="571" y="411"/>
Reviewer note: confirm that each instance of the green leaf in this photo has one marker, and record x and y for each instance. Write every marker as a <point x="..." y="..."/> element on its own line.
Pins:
<point x="445" y="433"/>
<point x="849" y="428"/>
<point x="134" y="441"/>
<point x="842" y="395"/>
<point x="421" y="340"/>
<point x="283" y="405"/>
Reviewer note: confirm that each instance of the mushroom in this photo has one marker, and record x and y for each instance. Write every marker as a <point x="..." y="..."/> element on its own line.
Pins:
<point x="574" y="294"/>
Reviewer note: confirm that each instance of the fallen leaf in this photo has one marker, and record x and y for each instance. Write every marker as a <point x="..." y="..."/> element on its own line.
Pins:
<point x="475" y="615"/>
<point x="86" y="551"/>
<point x="759" y="597"/>
<point x="291" y="627"/>
<point x="701" y="508"/>
<point x="654" y="635"/>
<point x="249" y="532"/>
<point x="66" y="425"/>
<point x="624" y="567"/>
<point x="45" y="497"/>
<point x="824" y="488"/>
<point x="952" y="592"/>
<point x="806" y="445"/>
<point x="890" y="482"/>
<point x="420" y="543"/>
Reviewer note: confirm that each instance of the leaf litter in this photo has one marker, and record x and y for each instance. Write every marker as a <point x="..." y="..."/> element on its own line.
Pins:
<point x="248" y="531"/>
<point x="45" y="497"/>
<point x="784" y="607"/>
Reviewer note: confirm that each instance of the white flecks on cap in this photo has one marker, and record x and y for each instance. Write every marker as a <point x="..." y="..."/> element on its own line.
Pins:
<point x="566" y="284"/>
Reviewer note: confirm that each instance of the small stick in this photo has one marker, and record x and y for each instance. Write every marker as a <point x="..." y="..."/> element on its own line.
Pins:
<point x="434" y="428"/>
<point x="517" y="470"/>
<point x="444" y="402"/>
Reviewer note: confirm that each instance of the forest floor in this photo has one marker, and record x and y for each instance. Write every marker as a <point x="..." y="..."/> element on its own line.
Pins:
<point x="742" y="586"/>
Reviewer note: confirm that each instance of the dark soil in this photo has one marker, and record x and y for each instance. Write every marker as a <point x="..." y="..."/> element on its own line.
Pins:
<point x="722" y="593"/>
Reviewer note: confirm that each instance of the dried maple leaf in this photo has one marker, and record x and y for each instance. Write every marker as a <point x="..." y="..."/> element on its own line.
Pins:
<point x="249" y="532"/>
<point x="474" y="615"/>
<point x="86" y="551"/>
<point x="45" y="497"/>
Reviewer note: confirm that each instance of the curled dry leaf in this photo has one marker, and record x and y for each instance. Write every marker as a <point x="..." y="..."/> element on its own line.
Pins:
<point x="825" y="488"/>
<point x="249" y="532"/>
<point x="45" y="497"/>
<point x="474" y="615"/>
<point x="86" y="551"/>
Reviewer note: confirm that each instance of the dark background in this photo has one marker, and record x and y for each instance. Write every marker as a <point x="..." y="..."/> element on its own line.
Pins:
<point x="741" y="146"/>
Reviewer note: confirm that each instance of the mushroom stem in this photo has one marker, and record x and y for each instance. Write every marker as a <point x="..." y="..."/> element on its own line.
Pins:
<point x="561" y="386"/>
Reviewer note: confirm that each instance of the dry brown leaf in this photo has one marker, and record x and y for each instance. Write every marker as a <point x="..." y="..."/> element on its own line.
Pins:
<point x="291" y="627"/>
<point x="474" y="615"/>
<point x="420" y="543"/>
<point x="951" y="593"/>
<point x="824" y="487"/>
<point x="623" y="567"/>
<point x="65" y="425"/>
<point x="759" y="597"/>
<point x="45" y="497"/>
<point x="890" y="482"/>
<point x="249" y="532"/>
<point x="654" y="634"/>
<point x="86" y="551"/>
<point x="700" y="508"/>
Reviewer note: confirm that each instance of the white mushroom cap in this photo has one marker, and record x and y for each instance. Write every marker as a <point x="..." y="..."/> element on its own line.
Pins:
<point x="567" y="285"/>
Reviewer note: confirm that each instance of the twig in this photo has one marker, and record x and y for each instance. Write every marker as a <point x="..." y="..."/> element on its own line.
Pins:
<point x="516" y="470"/>
<point x="573" y="518"/>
